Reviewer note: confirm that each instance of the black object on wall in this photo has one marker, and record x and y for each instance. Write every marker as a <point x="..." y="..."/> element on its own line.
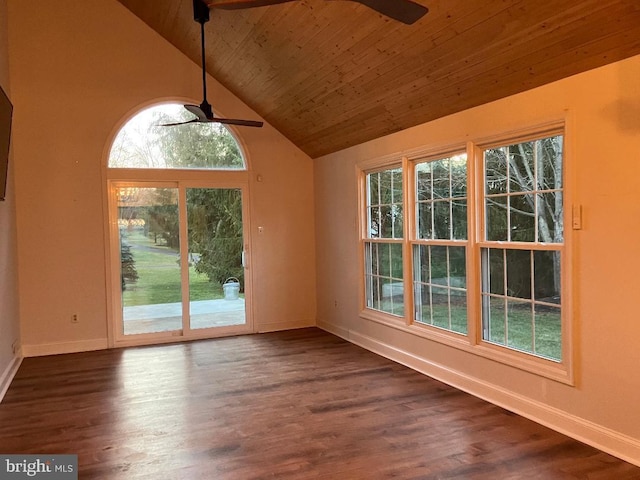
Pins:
<point x="6" y="112"/>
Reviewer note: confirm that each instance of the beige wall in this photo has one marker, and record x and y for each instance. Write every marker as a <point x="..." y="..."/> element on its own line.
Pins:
<point x="602" y="108"/>
<point x="9" y="325"/>
<point x="79" y="69"/>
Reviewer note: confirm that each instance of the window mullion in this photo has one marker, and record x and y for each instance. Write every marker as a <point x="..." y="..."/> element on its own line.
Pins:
<point x="408" y="207"/>
<point x="475" y="215"/>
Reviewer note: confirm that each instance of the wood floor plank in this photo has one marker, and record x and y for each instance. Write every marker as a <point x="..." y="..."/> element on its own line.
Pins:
<point x="289" y="405"/>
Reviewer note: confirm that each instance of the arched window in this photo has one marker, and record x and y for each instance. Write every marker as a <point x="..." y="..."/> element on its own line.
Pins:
<point x="143" y="142"/>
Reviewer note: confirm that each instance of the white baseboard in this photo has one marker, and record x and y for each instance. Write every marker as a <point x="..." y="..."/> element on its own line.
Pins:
<point x="8" y="374"/>
<point x="278" y="326"/>
<point x="64" y="347"/>
<point x="615" y="443"/>
<point x="336" y="330"/>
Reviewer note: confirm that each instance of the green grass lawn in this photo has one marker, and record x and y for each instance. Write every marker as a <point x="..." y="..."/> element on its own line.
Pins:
<point x="159" y="276"/>
<point x="457" y="322"/>
<point x="540" y="337"/>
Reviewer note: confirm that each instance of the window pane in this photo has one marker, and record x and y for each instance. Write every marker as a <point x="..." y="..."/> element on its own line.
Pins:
<point x="377" y="300"/>
<point x="548" y="332"/>
<point x="148" y="221"/>
<point x="537" y="332"/>
<point x="519" y="273"/>
<point x="442" y="219"/>
<point x="396" y="186"/>
<point x="384" y="277"/>
<point x="523" y="220"/>
<point x="374" y="222"/>
<point x="425" y="211"/>
<point x="423" y="301"/>
<point x="395" y="259"/>
<point x="496" y="271"/>
<point x="547" y="276"/>
<point x="520" y="326"/>
<point x="385" y="204"/>
<point x="385" y="195"/>
<point x="535" y="169"/>
<point x="380" y="266"/>
<point x="439" y="265"/>
<point x="521" y="167"/>
<point x="495" y="170"/>
<point x="421" y="263"/>
<point x="423" y="181"/>
<point x="457" y="267"/>
<point x="458" y="311"/>
<point x="398" y="221"/>
<point x="440" y="305"/>
<point x="373" y="292"/>
<point x="423" y="308"/>
<point x="390" y="221"/>
<point x="459" y="176"/>
<point x="441" y="187"/>
<point x="391" y="185"/>
<point x="459" y="217"/>
<point x="496" y="222"/>
<point x="386" y="221"/>
<point x="373" y="188"/>
<point x="440" y="286"/>
<point x="550" y="163"/>
<point x="533" y="324"/>
<point x="144" y="143"/>
<point x="494" y="319"/>
<point x="550" y="226"/>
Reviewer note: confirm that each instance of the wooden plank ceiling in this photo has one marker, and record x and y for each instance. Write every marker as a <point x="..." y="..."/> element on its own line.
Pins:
<point x="332" y="74"/>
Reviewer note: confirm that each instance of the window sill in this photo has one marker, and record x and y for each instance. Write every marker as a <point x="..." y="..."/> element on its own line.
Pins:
<point x="556" y="371"/>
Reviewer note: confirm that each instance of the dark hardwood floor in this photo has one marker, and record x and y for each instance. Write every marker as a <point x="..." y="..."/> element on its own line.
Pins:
<point x="291" y="405"/>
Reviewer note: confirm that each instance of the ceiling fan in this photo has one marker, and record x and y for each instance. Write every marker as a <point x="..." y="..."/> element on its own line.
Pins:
<point x="203" y="112"/>
<point x="405" y="11"/>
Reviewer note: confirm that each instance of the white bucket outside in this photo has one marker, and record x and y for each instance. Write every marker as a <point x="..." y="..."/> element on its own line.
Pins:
<point x="231" y="288"/>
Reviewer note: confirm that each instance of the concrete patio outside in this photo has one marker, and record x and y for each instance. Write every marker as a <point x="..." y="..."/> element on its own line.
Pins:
<point x="168" y="316"/>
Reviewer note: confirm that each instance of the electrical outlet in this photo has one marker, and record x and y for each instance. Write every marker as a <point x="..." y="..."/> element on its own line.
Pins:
<point x="15" y="346"/>
<point x="74" y="318"/>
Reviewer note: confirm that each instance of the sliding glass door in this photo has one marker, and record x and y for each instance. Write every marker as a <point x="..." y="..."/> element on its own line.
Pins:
<point x="216" y="253"/>
<point x="180" y="267"/>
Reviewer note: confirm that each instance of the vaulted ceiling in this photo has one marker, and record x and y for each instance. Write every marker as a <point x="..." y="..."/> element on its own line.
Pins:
<point x="332" y="74"/>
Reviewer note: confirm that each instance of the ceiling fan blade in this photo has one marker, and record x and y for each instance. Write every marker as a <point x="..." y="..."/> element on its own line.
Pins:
<point x="201" y="116"/>
<point x="233" y="121"/>
<point x="195" y="120"/>
<point x="404" y="11"/>
<point x="239" y="4"/>
<point x="198" y="112"/>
